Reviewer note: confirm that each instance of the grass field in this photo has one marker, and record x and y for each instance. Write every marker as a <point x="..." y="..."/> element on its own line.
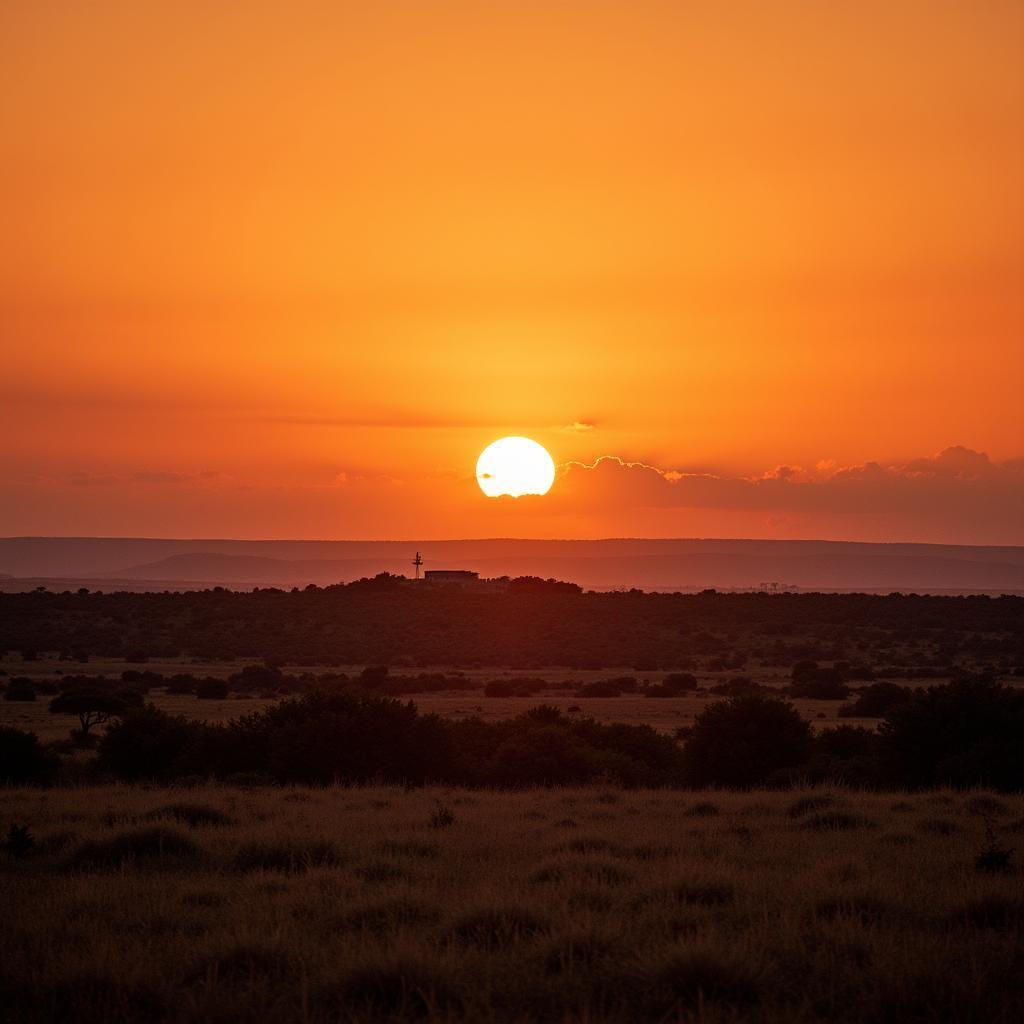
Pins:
<point x="227" y="904"/>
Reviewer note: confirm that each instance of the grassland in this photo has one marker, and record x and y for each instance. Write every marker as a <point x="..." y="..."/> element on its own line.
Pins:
<point x="230" y="904"/>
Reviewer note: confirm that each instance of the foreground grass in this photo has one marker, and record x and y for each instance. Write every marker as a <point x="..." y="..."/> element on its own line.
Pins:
<point x="224" y="904"/>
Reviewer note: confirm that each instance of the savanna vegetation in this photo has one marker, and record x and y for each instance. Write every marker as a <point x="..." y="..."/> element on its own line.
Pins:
<point x="815" y="816"/>
<point x="962" y="734"/>
<point x="533" y="624"/>
<point x="385" y="904"/>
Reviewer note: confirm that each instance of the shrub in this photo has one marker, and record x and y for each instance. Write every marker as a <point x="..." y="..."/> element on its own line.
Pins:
<point x="20" y="689"/>
<point x="742" y="741"/>
<point x="601" y="688"/>
<point x="23" y="760"/>
<point x="964" y="734"/>
<point x="354" y="737"/>
<point x="678" y="682"/>
<point x="181" y="684"/>
<point x="843" y="742"/>
<point x="541" y="754"/>
<point x="821" y="684"/>
<point x="212" y="689"/>
<point x="147" y="743"/>
<point x="803" y="669"/>
<point x="875" y="701"/>
<point x="514" y="687"/>
<point x="741" y="686"/>
<point x="256" y="677"/>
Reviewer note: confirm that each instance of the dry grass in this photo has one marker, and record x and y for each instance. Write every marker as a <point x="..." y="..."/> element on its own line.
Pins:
<point x="345" y="905"/>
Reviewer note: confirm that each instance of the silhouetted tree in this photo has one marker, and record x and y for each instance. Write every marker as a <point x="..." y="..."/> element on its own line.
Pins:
<point x="93" y="707"/>
<point x="149" y="744"/>
<point x="740" y="742"/>
<point x="875" y="701"/>
<point x="967" y="733"/>
<point x="23" y="760"/>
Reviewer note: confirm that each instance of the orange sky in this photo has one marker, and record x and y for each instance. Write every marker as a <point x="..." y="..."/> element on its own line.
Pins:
<point x="283" y="269"/>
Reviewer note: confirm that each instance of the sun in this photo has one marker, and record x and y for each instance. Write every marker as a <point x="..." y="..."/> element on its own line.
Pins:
<point x="515" y="466"/>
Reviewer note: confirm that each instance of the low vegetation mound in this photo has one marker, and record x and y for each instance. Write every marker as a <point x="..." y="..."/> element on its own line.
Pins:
<point x="154" y="846"/>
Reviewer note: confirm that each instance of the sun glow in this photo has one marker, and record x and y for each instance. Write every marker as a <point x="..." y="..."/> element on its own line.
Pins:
<point x="515" y="466"/>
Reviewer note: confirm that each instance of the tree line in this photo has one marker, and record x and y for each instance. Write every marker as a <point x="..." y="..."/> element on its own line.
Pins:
<point x="531" y="625"/>
<point x="966" y="733"/>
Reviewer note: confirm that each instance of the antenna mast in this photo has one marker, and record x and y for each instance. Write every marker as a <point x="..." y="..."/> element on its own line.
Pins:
<point x="417" y="562"/>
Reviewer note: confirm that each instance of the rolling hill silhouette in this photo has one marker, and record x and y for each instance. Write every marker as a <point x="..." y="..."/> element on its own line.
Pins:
<point x="603" y="564"/>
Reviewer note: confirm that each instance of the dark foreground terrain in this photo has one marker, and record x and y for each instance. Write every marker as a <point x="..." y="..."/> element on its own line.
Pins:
<point x="330" y="851"/>
<point x="221" y="903"/>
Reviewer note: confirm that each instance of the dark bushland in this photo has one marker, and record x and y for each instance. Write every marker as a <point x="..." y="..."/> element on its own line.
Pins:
<point x="963" y="734"/>
<point x="533" y="623"/>
<point x="355" y="737"/>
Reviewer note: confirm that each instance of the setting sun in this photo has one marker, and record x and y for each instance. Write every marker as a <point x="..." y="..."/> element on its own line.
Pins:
<point x="515" y="466"/>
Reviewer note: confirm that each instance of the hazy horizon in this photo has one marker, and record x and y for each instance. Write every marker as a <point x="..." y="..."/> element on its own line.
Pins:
<point x="654" y="564"/>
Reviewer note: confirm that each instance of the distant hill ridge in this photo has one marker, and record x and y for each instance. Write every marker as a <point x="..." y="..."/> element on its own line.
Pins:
<point x="652" y="564"/>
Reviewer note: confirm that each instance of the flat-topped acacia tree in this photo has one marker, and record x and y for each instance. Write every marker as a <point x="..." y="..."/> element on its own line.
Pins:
<point x="93" y="707"/>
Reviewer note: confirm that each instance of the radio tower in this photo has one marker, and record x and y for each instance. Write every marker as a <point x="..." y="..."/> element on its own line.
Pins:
<point x="417" y="562"/>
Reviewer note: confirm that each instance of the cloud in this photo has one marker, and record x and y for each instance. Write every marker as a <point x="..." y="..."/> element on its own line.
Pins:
<point x="958" y="487"/>
<point x="85" y="478"/>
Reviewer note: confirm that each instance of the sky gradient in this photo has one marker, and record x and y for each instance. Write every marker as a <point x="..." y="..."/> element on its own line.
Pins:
<point x="284" y="270"/>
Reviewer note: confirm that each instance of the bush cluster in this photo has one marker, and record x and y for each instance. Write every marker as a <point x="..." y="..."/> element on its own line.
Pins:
<point x="962" y="734"/>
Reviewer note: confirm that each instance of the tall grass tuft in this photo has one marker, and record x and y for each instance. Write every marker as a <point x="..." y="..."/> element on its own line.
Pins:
<point x="193" y="815"/>
<point x="287" y="857"/>
<point x="497" y="929"/>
